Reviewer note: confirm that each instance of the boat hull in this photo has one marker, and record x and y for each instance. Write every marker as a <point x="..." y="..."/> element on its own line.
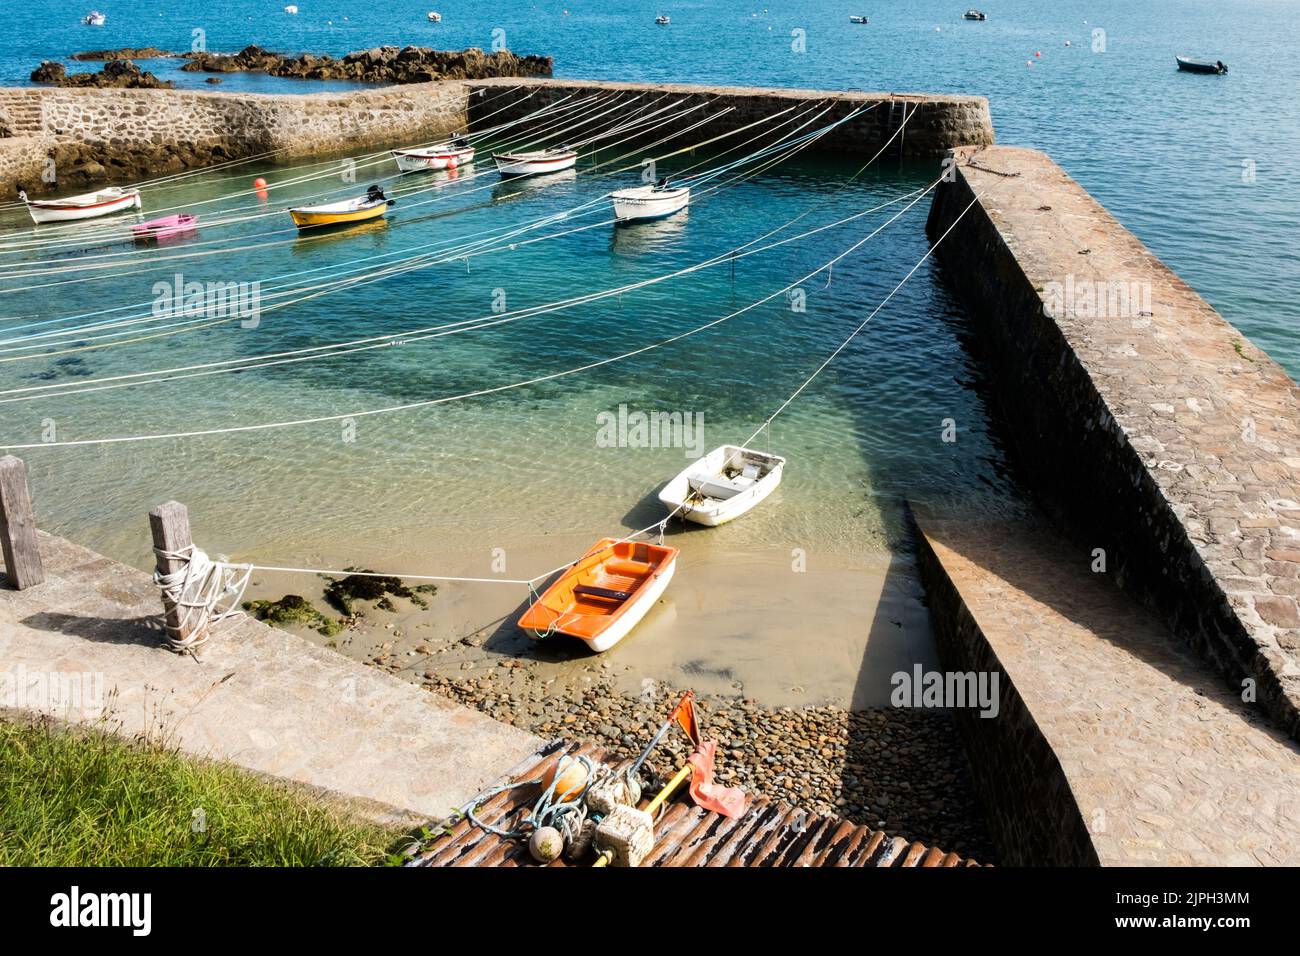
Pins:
<point x="306" y="219"/>
<point x="1196" y="66"/>
<point x="165" y="229"/>
<point x="639" y="205"/>
<point x="605" y="594"/>
<point x="419" y="160"/>
<point x="679" y="495"/>
<point x="527" y="165"/>
<point x="53" y="210"/>
<point x="616" y="632"/>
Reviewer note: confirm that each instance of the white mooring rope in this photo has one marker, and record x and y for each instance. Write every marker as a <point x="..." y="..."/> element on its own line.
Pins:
<point x="204" y="593"/>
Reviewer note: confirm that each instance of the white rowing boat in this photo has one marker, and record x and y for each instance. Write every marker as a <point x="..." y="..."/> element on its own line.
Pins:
<point x="723" y="485"/>
<point x="649" y="202"/>
<point x="535" y="162"/>
<point x="442" y="156"/>
<point x="85" y="206"/>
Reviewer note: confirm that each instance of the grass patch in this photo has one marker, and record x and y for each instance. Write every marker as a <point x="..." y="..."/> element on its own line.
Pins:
<point x="85" y="797"/>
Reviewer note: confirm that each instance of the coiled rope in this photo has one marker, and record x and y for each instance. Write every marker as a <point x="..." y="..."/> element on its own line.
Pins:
<point x="203" y="593"/>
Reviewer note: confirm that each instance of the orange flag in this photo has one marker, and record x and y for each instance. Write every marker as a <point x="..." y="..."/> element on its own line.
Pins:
<point x="728" y="801"/>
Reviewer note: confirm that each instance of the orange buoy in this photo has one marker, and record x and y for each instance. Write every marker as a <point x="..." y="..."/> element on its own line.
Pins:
<point x="451" y="163"/>
<point x="572" y="779"/>
<point x="259" y="183"/>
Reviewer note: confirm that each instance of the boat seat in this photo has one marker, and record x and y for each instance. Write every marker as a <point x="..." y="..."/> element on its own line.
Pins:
<point x="608" y="594"/>
<point x="719" y="486"/>
<point x="628" y="568"/>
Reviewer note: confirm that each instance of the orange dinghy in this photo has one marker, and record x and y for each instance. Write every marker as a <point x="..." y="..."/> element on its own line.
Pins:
<point x="605" y="594"/>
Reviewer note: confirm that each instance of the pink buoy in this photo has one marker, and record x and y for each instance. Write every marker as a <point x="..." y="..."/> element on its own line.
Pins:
<point x="451" y="163"/>
<point x="259" y="183"/>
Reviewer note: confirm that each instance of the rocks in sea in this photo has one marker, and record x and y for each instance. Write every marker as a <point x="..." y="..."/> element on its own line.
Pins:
<point x="124" y="53"/>
<point x="383" y="64"/>
<point x="120" y="74"/>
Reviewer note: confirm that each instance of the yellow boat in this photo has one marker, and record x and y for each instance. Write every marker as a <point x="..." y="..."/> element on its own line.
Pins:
<point x="372" y="205"/>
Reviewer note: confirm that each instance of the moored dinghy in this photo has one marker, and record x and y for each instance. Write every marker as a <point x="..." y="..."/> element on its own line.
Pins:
<point x="605" y="594"/>
<point x="723" y="485"/>
<point x="85" y="206"/>
<point x="165" y="228"/>
<point x="361" y="209"/>
<point x="455" y="153"/>
<point x="1200" y="66"/>
<point x="650" y="202"/>
<point x="535" y="162"/>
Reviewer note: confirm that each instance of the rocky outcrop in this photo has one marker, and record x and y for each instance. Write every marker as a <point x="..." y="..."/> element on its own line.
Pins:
<point x="382" y="64"/>
<point x="116" y="74"/>
<point x="124" y="53"/>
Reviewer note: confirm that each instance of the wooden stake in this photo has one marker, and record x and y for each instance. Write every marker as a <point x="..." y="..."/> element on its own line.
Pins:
<point x="170" y="526"/>
<point x="18" y="526"/>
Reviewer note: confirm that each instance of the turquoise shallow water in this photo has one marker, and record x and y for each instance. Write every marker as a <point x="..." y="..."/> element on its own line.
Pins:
<point x="512" y="468"/>
<point x="1163" y="150"/>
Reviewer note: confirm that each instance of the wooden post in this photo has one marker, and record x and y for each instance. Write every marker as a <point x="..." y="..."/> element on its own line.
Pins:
<point x="170" y="526"/>
<point x="18" y="526"/>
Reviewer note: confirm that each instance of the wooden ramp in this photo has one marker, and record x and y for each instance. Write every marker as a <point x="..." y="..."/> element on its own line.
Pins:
<point x="769" y="834"/>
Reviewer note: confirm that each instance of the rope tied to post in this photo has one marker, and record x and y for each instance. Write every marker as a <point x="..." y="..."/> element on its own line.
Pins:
<point x="203" y="593"/>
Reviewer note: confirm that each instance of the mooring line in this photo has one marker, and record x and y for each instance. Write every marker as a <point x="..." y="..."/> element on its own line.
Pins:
<point x="477" y="393"/>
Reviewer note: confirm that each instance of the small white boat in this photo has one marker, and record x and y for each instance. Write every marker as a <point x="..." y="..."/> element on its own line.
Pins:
<point x="649" y="202"/>
<point x="94" y="19"/>
<point x="86" y="206"/>
<point x="435" y="16"/>
<point x="723" y="485"/>
<point x="291" y="9"/>
<point x="853" y="19"/>
<point x="974" y="15"/>
<point x="662" y="20"/>
<point x="455" y="153"/>
<point x="535" y="162"/>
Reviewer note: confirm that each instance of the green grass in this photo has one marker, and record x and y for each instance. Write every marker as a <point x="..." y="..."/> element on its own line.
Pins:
<point x="75" y="797"/>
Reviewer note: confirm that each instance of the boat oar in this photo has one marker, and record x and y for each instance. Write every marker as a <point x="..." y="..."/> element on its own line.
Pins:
<point x="607" y="855"/>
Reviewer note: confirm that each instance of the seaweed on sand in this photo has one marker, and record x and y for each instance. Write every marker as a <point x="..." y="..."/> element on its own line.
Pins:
<point x="365" y="585"/>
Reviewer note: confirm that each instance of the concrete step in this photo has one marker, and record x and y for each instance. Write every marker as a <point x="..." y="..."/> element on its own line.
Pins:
<point x="1113" y="743"/>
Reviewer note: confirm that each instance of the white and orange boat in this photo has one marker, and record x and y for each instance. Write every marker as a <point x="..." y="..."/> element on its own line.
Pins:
<point x="457" y="152"/>
<point x="604" y="595"/>
<point x="86" y="206"/>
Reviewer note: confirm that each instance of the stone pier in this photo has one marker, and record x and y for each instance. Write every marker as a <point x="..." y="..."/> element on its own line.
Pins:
<point x="930" y="124"/>
<point x="126" y="135"/>
<point x="1146" y="425"/>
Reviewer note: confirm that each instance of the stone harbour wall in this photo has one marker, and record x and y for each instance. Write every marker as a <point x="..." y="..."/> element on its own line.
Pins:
<point x="934" y="123"/>
<point x="1146" y="425"/>
<point x="124" y="135"/>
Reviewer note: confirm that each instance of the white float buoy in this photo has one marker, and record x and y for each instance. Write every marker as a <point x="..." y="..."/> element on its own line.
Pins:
<point x="546" y="844"/>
